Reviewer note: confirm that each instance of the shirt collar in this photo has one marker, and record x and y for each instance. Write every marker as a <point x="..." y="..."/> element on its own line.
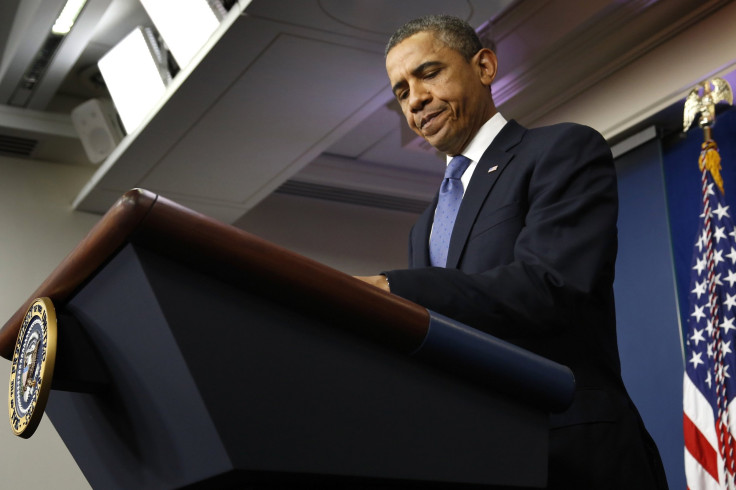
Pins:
<point x="483" y="138"/>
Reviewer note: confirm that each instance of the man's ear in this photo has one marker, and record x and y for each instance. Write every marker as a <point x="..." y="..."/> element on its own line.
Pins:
<point x="487" y="64"/>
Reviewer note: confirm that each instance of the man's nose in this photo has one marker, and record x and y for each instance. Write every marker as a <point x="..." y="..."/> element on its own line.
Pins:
<point x="418" y="98"/>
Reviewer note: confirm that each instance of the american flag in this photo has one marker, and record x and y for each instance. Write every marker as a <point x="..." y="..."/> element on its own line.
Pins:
<point x="709" y="381"/>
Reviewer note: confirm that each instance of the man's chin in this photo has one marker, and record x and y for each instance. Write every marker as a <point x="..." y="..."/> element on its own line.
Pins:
<point x="438" y="143"/>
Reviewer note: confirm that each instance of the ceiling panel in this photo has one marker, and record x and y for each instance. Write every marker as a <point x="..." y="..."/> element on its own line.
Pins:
<point x="371" y="19"/>
<point x="287" y="102"/>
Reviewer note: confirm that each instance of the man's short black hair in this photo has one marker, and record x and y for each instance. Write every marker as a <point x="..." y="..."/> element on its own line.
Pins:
<point x="455" y="33"/>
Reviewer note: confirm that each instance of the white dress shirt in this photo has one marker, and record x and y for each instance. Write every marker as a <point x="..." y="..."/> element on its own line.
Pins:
<point x="479" y="144"/>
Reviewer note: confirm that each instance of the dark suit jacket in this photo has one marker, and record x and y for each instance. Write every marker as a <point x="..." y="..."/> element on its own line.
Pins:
<point x="531" y="260"/>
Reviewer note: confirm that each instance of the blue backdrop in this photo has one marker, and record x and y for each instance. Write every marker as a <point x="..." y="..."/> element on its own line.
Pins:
<point x="646" y="307"/>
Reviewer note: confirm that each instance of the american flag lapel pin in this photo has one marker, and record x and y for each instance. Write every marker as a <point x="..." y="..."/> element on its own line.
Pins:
<point x="493" y="169"/>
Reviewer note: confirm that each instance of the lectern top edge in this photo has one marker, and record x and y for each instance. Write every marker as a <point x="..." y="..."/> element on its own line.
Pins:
<point x="144" y="218"/>
<point x="100" y="244"/>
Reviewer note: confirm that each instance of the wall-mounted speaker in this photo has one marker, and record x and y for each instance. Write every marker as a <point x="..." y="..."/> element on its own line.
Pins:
<point x="96" y="123"/>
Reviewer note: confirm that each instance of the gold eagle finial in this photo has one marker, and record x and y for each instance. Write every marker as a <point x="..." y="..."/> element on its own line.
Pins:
<point x="714" y="91"/>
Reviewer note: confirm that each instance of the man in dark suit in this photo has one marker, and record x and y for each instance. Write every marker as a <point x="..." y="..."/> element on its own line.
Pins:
<point x="531" y="254"/>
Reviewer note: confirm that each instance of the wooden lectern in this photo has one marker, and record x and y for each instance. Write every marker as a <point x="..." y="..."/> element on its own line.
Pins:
<point x="193" y="354"/>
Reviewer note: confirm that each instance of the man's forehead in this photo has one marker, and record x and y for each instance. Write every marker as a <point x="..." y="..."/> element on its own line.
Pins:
<point x="413" y="51"/>
<point x="416" y="43"/>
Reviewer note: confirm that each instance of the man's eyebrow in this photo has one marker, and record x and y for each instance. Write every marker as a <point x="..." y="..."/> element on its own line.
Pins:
<point x="397" y="86"/>
<point x="416" y="72"/>
<point x="424" y="66"/>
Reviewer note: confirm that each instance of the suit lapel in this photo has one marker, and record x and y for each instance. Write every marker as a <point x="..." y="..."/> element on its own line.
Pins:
<point x="495" y="159"/>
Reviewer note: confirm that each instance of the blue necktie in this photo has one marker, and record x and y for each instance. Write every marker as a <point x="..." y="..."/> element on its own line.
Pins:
<point x="451" y="195"/>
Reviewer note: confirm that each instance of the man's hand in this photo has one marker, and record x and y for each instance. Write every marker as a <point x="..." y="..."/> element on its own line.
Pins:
<point x="380" y="282"/>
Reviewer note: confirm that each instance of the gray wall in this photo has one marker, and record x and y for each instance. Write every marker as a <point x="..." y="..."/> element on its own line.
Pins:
<point x="37" y="229"/>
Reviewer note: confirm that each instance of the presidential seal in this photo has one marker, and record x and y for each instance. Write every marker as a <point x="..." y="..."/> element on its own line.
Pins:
<point x="32" y="368"/>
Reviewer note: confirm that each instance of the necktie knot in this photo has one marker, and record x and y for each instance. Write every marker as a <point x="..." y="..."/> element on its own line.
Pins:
<point x="457" y="167"/>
